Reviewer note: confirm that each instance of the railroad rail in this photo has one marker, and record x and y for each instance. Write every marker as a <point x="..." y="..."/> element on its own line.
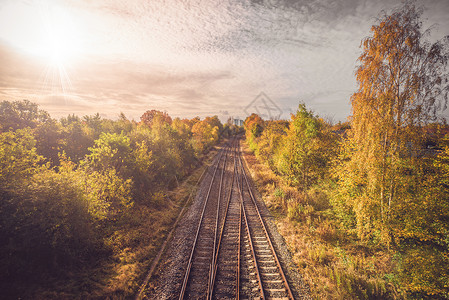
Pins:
<point x="232" y="255"/>
<point x="273" y="281"/>
<point x="196" y="283"/>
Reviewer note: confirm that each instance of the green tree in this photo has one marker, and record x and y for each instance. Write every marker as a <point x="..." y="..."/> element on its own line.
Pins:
<point x="75" y="139"/>
<point x="18" y="157"/>
<point x="111" y="151"/>
<point x="20" y="114"/>
<point x="302" y="157"/>
<point x="49" y="140"/>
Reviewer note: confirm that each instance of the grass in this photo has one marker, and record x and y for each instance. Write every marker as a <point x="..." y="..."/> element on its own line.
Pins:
<point x="334" y="263"/>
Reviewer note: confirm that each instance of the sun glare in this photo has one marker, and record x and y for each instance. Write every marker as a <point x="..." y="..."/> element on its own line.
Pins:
<point x="61" y="43"/>
<point x="43" y="29"/>
<point x="47" y="31"/>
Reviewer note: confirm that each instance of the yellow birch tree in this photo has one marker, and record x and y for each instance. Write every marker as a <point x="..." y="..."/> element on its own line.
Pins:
<point x="403" y="83"/>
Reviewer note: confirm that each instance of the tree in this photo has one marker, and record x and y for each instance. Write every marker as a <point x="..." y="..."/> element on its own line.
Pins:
<point x="271" y="141"/>
<point x="20" y="114"/>
<point x="302" y="156"/>
<point x="214" y="122"/>
<point x="18" y="157"/>
<point x="153" y="115"/>
<point x="403" y="83"/>
<point x="75" y="140"/>
<point x="48" y="137"/>
<point x="111" y="150"/>
<point x="93" y="126"/>
<point x="253" y="129"/>
<point x="182" y="127"/>
<point x="204" y="135"/>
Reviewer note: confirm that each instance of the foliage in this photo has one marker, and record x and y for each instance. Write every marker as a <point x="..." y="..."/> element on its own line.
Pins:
<point x="20" y="114"/>
<point x="384" y="175"/>
<point x="389" y="186"/>
<point x="253" y="128"/>
<point x="49" y="140"/>
<point x="69" y="189"/>
<point x="205" y="134"/>
<point x="300" y="149"/>
<point x="402" y="84"/>
<point x="153" y="116"/>
<point x="271" y="141"/>
<point x="111" y="151"/>
<point x="75" y="141"/>
<point x="331" y="259"/>
<point x="18" y="156"/>
<point x="304" y="157"/>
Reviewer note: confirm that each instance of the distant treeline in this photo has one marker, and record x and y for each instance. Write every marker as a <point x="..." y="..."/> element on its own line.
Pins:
<point x="66" y="185"/>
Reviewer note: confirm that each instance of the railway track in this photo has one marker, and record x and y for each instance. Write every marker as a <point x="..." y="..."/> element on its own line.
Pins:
<point x="232" y="256"/>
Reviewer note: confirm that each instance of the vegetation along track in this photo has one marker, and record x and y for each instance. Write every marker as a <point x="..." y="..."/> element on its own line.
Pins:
<point x="232" y="255"/>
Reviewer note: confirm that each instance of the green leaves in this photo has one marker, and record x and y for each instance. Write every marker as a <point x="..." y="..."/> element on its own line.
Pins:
<point x="18" y="157"/>
<point x="69" y="186"/>
<point x="20" y="114"/>
<point x="303" y="157"/>
<point x="111" y="151"/>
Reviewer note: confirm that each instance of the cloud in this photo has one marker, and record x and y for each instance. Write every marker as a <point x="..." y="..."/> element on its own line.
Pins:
<point x="204" y="57"/>
<point x="106" y="85"/>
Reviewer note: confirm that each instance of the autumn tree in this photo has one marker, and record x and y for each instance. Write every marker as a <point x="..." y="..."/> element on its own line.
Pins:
<point x="403" y="82"/>
<point x="271" y="141"/>
<point x="153" y="115"/>
<point x="204" y="135"/>
<point x="214" y="122"/>
<point x="183" y="127"/>
<point x="253" y="129"/>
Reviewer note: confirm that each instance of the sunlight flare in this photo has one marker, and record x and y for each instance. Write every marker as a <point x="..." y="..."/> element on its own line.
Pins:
<point x="43" y="29"/>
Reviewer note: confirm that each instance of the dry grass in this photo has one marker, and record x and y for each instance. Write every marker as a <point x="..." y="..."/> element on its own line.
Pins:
<point x="332" y="261"/>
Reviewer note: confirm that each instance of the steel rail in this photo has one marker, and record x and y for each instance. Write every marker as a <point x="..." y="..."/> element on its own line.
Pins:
<point x="189" y="265"/>
<point x="215" y="263"/>
<point x="290" y="294"/>
<point x="256" y="266"/>
<point x="237" y="284"/>
<point x="215" y="248"/>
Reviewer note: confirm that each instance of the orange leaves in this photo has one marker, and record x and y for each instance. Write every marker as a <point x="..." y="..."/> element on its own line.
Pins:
<point x="152" y="116"/>
<point x="397" y="95"/>
<point x="206" y="133"/>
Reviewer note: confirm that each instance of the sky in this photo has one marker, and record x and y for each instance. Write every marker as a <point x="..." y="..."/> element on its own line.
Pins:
<point x="189" y="58"/>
